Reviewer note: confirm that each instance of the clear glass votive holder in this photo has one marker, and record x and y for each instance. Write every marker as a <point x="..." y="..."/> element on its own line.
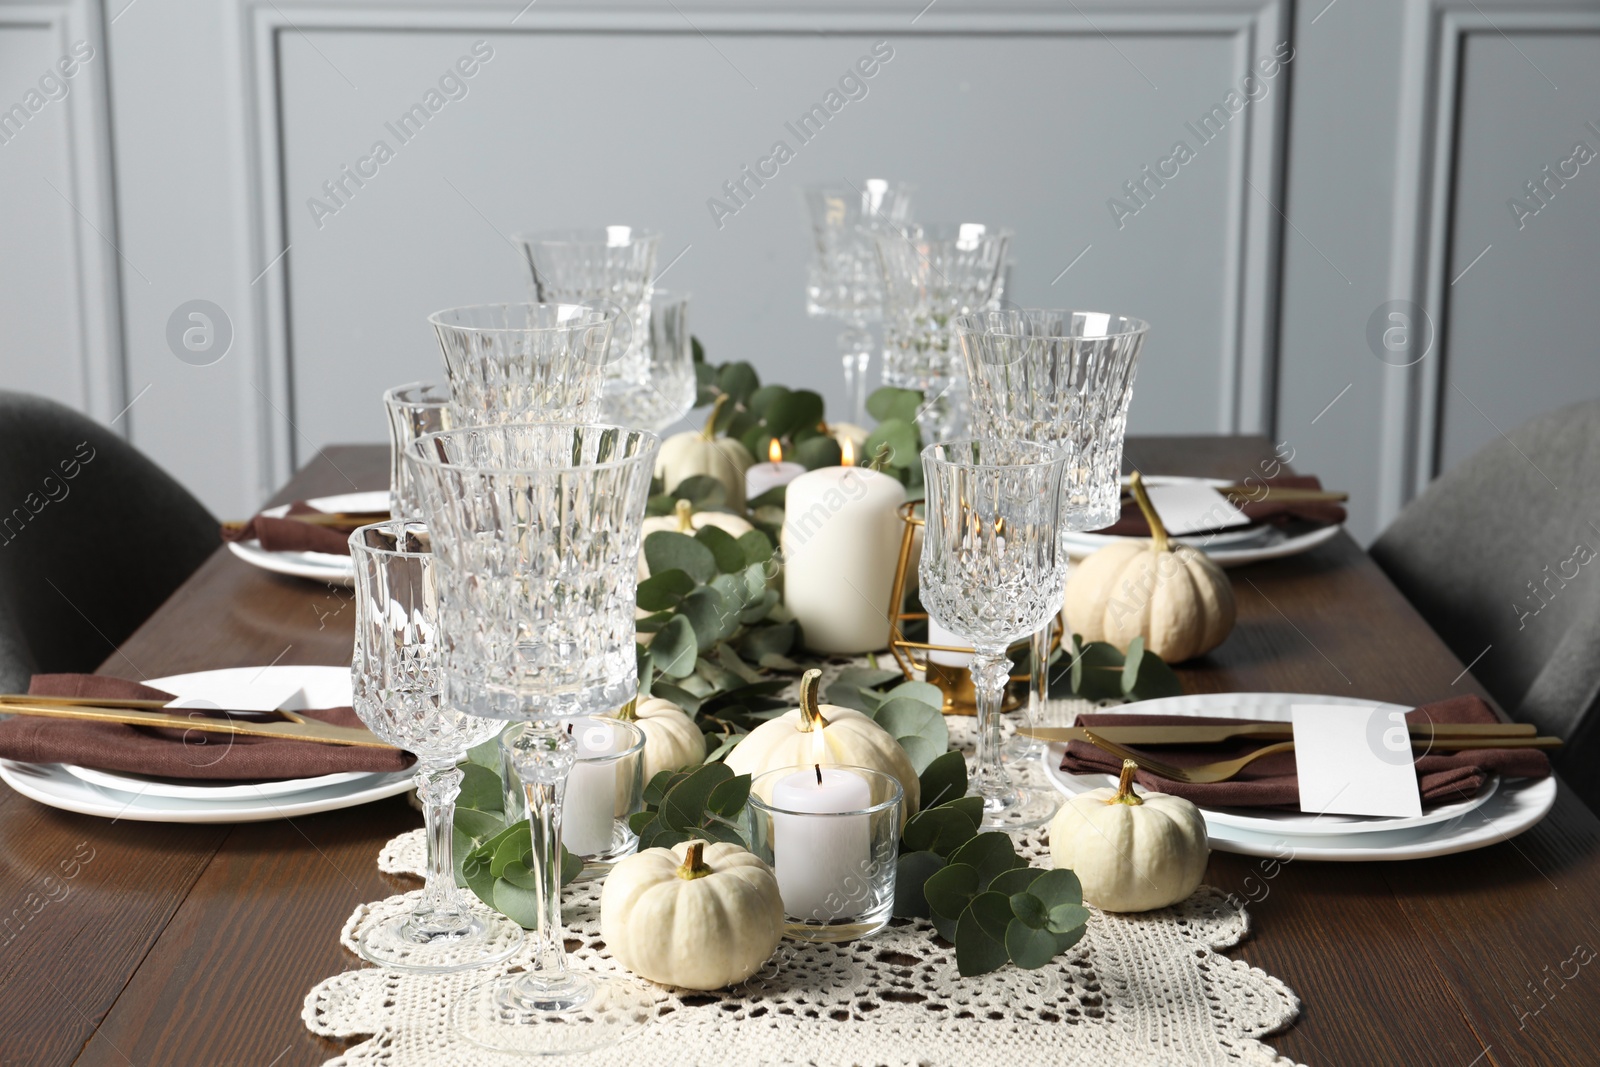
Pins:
<point x="831" y="835"/>
<point x="606" y="786"/>
<point x="413" y="409"/>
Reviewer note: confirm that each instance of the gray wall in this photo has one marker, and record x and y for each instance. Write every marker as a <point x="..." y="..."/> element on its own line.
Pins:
<point x="1374" y="167"/>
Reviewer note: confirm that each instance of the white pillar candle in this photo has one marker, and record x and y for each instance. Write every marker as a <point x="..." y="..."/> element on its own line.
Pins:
<point x="938" y="635"/>
<point x="822" y="863"/>
<point x="589" y="807"/>
<point x="841" y="540"/>
<point x="767" y="476"/>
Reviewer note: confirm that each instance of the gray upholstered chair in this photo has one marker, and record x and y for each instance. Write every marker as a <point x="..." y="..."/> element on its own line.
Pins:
<point x="1502" y="556"/>
<point x="93" y="537"/>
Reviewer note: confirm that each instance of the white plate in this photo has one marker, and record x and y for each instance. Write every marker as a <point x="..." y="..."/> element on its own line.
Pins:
<point x="139" y="799"/>
<point x="1516" y="806"/>
<point x="1267" y="707"/>
<point x="318" y="566"/>
<point x="1229" y="548"/>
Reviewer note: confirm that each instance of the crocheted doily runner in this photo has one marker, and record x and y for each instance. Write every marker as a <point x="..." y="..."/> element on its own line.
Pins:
<point x="1151" y="989"/>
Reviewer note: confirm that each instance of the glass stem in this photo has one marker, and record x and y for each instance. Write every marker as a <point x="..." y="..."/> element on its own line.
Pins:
<point x="438" y="785"/>
<point x="855" y="351"/>
<point x="543" y="753"/>
<point x="1039" y="680"/>
<point x="990" y="669"/>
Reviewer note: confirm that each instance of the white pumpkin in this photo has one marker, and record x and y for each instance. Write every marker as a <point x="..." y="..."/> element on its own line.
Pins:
<point x="672" y="741"/>
<point x="1173" y="595"/>
<point x="696" y="915"/>
<point x="684" y="455"/>
<point x="1131" y="853"/>
<point x="686" y="520"/>
<point x="848" y="739"/>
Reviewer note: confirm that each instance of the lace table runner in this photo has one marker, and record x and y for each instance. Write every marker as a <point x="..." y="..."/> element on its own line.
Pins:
<point x="1150" y="989"/>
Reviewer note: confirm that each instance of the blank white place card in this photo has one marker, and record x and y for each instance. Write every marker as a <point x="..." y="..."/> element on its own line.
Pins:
<point x="1354" y="761"/>
<point x="1189" y="507"/>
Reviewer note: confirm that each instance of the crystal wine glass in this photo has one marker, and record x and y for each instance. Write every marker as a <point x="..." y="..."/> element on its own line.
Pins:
<point x="658" y="389"/>
<point x="993" y="572"/>
<point x="414" y="409"/>
<point x="395" y="680"/>
<point x="1064" y="377"/>
<point x="843" y="280"/>
<point x="597" y="263"/>
<point x="536" y="533"/>
<point x="932" y="274"/>
<point x="511" y="363"/>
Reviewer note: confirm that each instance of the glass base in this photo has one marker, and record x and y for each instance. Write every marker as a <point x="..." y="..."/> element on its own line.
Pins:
<point x="1019" y="809"/>
<point x="575" y="1013"/>
<point x="403" y="944"/>
<point x="843" y="929"/>
<point x="624" y="843"/>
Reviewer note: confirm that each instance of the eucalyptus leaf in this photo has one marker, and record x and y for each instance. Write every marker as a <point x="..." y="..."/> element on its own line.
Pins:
<point x="757" y="546"/>
<point x="817" y="452"/>
<point x="977" y="951"/>
<point x="730" y="660"/>
<point x="943" y="780"/>
<point x="673" y="650"/>
<point x="738" y="380"/>
<point x="701" y="490"/>
<point x="729" y="797"/>
<point x="689" y="702"/>
<point x="920" y="729"/>
<point x="912" y="872"/>
<point x="940" y="830"/>
<point x="667" y="550"/>
<point x="921" y="751"/>
<point x="923" y="692"/>
<point x="1065" y="918"/>
<point x="762" y="399"/>
<point x="901" y="437"/>
<point x="866" y="677"/>
<point x="723" y="746"/>
<point x="1057" y="887"/>
<point x="768" y="640"/>
<point x="1130" y="663"/>
<point x="519" y="905"/>
<point x="889" y="402"/>
<point x="857" y="699"/>
<point x="1017" y="880"/>
<point x="773" y="497"/>
<point x="663" y="591"/>
<point x="993" y="912"/>
<point x="1031" y="947"/>
<point x="486" y="754"/>
<point x="799" y="409"/>
<point x="1029" y="909"/>
<point x="480" y="789"/>
<point x="950" y="889"/>
<point x="971" y="807"/>
<point x="990" y="854"/>
<point x="684" y="806"/>
<point x="725" y="548"/>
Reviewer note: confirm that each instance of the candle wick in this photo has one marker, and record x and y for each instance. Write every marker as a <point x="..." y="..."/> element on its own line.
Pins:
<point x="569" y="729"/>
<point x="818" y="768"/>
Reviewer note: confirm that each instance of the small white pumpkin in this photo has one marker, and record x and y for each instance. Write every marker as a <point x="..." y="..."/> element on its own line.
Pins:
<point x="1173" y="595"/>
<point x="1131" y="853"/>
<point x="697" y="916"/>
<point x="672" y="741"/>
<point x="684" y="455"/>
<point x="847" y="738"/>
<point x="686" y="520"/>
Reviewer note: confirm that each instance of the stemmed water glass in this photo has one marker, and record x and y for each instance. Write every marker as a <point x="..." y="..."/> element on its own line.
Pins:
<point x="509" y="363"/>
<point x="536" y="533"/>
<point x="1065" y="378"/>
<point x="993" y="572"/>
<point x="843" y="280"/>
<point x="657" y="389"/>
<point x="395" y="682"/>
<point x="413" y="410"/>
<point x="615" y="264"/>
<point x="931" y="274"/>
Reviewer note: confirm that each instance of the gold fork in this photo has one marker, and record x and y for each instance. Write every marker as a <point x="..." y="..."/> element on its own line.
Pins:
<point x="1222" y="770"/>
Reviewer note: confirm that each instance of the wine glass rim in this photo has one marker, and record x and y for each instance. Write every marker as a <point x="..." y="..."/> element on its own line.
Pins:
<point x="388" y="525"/>
<point x="1050" y="454"/>
<point x="946" y="231"/>
<point x="587" y="235"/>
<point x="605" y="316"/>
<point x="416" y="451"/>
<point x="973" y="323"/>
<point x="395" y="395"/>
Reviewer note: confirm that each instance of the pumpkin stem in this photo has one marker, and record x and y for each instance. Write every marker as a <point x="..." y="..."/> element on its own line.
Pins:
<point x="710" y="432"/>
<point x="629" y="711"/>
<point x="880" y="458"/>
<point x="810" y="711"/>
<point x="684" y="511"/>
<point x="694" y="866"/>
<point x="1125" y="793"/>
<point x="1158" y="529"/>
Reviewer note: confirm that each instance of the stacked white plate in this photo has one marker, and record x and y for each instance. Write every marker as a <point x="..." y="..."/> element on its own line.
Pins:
<point x="1227" y="548"/>
<point x="1501" y="810"/>
<point x="318" y="566"/>
<point x="141" y="798"/>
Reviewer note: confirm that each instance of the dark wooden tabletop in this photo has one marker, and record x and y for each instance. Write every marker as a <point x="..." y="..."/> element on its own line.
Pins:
<point x="155" y="944"/>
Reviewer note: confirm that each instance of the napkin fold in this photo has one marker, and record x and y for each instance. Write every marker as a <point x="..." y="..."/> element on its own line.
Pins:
<point x="286" y="535"/>
<point x="175" y="753"/>
<point x="1270" y="781"/>
<point x="1279" y="512"/>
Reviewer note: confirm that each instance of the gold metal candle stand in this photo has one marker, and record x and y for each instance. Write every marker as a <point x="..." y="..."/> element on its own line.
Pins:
<point x="955" y="682"/>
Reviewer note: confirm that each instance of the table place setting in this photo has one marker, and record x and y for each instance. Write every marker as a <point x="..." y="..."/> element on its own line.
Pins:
<point x="874" y="749"/>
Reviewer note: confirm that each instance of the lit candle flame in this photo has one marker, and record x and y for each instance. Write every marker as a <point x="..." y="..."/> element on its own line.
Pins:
<point x="775" y="451"/>
<point x="847" y="453"/>
<point x="819" y="751"/>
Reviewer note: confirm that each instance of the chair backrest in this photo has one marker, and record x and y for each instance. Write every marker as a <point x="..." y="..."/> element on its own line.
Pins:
<point x="1502" y="556"/>
<point x="93" y="537"/>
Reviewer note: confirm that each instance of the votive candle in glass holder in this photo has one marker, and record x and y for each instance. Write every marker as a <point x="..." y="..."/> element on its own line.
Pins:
<point x="605" y="787"/>
<point x="831" y="835"/>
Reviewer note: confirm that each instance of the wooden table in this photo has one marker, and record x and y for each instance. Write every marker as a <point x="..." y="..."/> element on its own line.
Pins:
<point x="194" y="945"/>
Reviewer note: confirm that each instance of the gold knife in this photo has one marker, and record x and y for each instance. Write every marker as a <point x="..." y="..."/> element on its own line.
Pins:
<point x="306" y="730"/>
<point x="1271" y="731"/>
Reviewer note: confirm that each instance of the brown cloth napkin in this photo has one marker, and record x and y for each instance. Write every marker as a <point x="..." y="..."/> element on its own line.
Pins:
<point x="1265" y="510"/>
<point x="177" y="753"/>
<point x="287" y="535"/>
<point x="1271" y="781"/>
